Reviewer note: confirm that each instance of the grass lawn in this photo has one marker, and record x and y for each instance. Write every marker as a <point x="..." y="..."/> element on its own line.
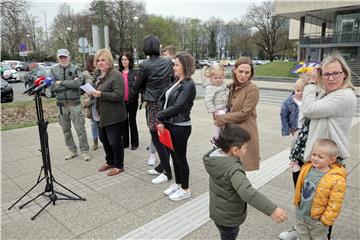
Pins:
<point x="276" y="69"/>
<point x="23" y="114"/>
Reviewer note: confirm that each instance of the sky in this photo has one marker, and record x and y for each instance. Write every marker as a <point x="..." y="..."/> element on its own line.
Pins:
<point x="202" y="9"/>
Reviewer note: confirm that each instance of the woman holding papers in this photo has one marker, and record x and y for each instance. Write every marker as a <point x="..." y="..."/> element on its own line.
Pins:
<point x="177" y="102"/>
<point x="110" y="106"/>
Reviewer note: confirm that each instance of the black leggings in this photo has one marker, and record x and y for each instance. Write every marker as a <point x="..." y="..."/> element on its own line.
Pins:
<point x="179" y="137"/>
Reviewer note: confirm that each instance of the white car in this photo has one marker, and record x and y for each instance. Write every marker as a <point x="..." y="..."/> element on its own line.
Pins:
<point x="10" y="74"/>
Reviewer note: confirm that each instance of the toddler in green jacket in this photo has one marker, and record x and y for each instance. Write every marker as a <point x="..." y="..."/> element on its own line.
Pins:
<point x="229" y="188"/>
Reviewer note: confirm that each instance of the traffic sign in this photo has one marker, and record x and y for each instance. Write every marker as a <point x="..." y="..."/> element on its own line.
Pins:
<point x="23" y="54"/>
<point x="22" y="47"/>
<point x="85" y="49"/>
<point x="83" y="42"/>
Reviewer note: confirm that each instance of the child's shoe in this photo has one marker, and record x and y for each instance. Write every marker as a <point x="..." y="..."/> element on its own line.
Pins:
<point x="289" y="234"/>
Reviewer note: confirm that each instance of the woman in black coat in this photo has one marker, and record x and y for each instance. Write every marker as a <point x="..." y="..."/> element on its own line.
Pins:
<point x="153" y="78"/>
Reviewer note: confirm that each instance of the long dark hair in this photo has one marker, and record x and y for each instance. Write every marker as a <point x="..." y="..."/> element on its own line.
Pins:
<point x="129" y="57"/>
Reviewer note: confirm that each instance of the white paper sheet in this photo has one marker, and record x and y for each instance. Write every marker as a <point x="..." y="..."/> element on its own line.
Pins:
<point x="88" y="88"/>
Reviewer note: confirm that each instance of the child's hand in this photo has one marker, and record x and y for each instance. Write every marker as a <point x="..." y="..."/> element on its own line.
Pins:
<point x="278" y="215"/>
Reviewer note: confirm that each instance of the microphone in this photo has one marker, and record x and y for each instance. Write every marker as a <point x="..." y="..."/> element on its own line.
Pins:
<point x="36" y="83"/>
<point x="46" y="83"/>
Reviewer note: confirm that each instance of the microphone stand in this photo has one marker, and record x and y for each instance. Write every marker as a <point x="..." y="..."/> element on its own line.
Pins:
<point x="46" y="167"/>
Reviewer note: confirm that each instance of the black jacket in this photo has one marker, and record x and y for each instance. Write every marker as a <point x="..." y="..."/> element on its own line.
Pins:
<point x="180" y="102"/>
<point x="153" y="78"/>
<point x="131" y="82"/>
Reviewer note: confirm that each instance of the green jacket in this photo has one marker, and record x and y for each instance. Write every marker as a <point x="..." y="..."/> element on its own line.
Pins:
<point x="110" y="105"/>
<point x="68" y="91"/>
<point x="230" y="191"/>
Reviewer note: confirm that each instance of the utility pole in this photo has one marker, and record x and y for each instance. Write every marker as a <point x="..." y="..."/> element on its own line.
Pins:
<point x="46" y="31"/>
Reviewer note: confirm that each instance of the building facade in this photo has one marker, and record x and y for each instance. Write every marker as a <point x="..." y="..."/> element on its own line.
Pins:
<point x="323" y="26"/>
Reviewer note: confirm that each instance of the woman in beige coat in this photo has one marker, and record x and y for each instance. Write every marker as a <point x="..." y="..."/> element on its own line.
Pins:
<point x="243" y="98"/>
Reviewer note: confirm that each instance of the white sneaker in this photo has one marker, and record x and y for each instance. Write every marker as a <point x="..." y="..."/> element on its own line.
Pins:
<point x="153" y="172"/>
<point x="180" y="194"/>
<point x="71" y="155"/>
<point x="289" y="234"/>
<point x="160" y="179"/>
<point x="170" y="190"/>
<point x="152" y="159"/>
<point x="85" y="156"/>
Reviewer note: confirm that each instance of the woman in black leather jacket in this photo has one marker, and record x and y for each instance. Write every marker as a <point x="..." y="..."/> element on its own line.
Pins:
<point x="177" y="102"/>
<point x="153" y="78"/>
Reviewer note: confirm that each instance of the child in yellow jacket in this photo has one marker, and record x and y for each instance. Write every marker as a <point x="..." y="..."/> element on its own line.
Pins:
<point x="319" y="192"/>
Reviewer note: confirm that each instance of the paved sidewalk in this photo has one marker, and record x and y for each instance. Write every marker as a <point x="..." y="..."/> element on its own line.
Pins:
<point x="116" y="206"/>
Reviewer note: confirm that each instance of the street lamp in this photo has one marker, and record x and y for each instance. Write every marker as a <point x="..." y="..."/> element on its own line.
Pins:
<point x="136" y="20"/>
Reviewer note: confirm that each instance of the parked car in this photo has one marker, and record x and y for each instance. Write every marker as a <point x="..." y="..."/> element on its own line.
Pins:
<point x="11" y="63"/>
<point x="9" y="74"/>
<point x="21" y="66"/>
<point x="7" y="93"/>
<point x="203" y="63"/>
<point x="37" y="70"/>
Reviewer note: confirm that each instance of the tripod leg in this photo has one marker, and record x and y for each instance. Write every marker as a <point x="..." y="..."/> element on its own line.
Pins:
<point x="80" y="198"/>
<point x="32" y="218"/>
<point x="26" y="193"/>
<point x="21" y="206"/>
<point x="68" y="197"/>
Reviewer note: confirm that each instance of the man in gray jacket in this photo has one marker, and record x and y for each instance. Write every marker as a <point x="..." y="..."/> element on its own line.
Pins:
<point x="68" y="79"/>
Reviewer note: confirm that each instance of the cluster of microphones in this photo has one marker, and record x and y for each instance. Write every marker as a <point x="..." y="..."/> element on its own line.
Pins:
<point x="39" y="84"/>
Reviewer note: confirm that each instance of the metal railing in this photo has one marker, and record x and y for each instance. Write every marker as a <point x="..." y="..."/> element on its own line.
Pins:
<point x="337" y="37"/>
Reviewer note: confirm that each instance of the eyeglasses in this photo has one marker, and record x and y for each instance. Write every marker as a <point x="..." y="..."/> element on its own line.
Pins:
<point x="335" y="75"/>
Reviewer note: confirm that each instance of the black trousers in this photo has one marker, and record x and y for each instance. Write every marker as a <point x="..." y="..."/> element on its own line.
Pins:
<point x="295" y="176"/>
<point x="179" y="137"/>
<point x="227" y="233"/>
<point x="164" y="166"/>
<point x="111" y="138"/>
<point x="130" y="122"/>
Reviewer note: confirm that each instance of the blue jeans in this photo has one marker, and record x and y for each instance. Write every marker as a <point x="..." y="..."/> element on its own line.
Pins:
<point x="94" y="129"/>
<point x="227" y="233"/>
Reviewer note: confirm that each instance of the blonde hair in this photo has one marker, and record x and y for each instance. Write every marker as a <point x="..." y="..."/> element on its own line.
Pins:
<point x="336" y="57"/>
<point x="301" y="82"/>
<point x="107" y="56"/>
<point x="331" y="148"/>
<point x="213" y="70"/>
